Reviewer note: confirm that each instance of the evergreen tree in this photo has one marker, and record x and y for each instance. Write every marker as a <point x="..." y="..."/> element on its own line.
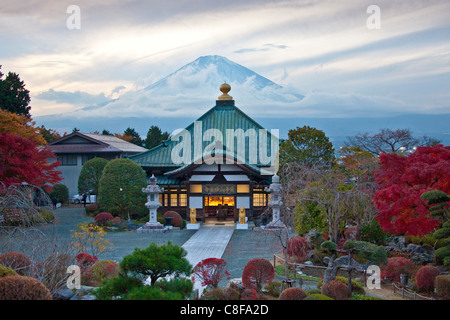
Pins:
<point x="136" y="138"/>
<point x="154" y="137"/>
<point x="13" y="95"/>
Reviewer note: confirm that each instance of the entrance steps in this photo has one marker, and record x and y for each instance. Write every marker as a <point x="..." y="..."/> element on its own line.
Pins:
<point x="210" y="241"/>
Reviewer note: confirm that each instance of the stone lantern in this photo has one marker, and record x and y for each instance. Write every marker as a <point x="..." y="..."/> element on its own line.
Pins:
<point x="275" y="202"/>
<point x="152" y="191"/>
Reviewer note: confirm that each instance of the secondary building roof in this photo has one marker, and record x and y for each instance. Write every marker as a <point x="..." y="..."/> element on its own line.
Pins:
<point x="82" y="142"/>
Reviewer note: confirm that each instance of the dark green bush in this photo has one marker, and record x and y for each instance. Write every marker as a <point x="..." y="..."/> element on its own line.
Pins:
<point x="61" y="192"/>
<point x="120" y="188"/>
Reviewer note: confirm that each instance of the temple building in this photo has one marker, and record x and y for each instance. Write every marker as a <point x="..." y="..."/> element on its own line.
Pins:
<point x="221" y="162"/>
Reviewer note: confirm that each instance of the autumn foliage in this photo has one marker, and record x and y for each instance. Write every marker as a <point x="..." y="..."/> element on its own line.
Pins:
<point x="21" y="160"/>
<point x="395" y="267"/>
<point x="335" y="289"/>
<point x="23" y="288"/>
<point x="293" y="293"/>
<point x="425" y="277"/>
<point x="298" y="248"/>
<point x="402" y="179"/>
<point x="210" y="271"/>
<point x="16" y="261"/>
<point x="257" y="273"/>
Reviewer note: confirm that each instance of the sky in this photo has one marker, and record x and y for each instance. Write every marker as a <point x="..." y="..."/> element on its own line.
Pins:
<point x="343" y="57"/>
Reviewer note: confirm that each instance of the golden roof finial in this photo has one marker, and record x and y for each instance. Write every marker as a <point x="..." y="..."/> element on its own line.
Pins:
<point x="225" y="88"/>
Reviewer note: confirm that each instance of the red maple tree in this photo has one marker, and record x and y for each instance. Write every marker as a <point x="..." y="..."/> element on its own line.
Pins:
<point x="210" y="271"/>
<point x="21" y="160"/>
<point x="257" y="273"/>
<point x="401" y="180"/>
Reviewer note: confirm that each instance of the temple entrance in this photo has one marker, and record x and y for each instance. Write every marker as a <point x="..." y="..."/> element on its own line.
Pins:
<point x="219" y="208"/>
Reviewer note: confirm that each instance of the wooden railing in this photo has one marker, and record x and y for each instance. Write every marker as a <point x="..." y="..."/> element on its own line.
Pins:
<point x="408" y="294"/>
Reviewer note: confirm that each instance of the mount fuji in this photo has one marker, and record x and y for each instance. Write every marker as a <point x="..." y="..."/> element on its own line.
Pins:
<point x="193" y="89"/>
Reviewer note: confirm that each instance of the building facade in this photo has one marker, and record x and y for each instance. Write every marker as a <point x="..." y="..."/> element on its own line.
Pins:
<point x="216" y="165"/>
<point x="78" y="147"/>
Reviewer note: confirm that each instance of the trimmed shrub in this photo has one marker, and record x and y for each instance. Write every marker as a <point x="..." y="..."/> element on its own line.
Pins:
<point x="318" y="296"/>
<point x="90" y="175"/>
<point x="442" y="285"/>
<point x="23" y="288"/>
<point x="313" y="291"/>
<point x="103" y="270"/>
<point x="117" y="221"/>
<point x="425" y="278"/>
<point x="214" y="294"/>
<point x="335" y="289"/>
<point x="6" y="271"/>
<point x="257" y="273"/>
<point x="177" y="220"/>
<point x="16" y="261"/>
<point x="103" y="218"/>
<point x="293" y="293"/>
<point x="367" y="252"/>
<point x="231" y="293"/>
<point x="91" y="209"/>
<point x="61" y="193"/>
<point x="120" y="188"/>
<point x="357" y="288"/>
<point x="273" y="288"/>
<point x="441" y="254"/>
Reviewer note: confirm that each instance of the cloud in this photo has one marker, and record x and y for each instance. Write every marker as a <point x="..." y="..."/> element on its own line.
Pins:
<point x="76" y="98"/>
<point x="266" y="47"/>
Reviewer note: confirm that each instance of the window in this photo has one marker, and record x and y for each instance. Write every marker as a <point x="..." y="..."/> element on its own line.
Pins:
<point x="259" y="200"/>
<point x="183" y="199"/>
<point x="68" y="159"/>
<point x="86" y="157"/>
<point x="173" y="200"/>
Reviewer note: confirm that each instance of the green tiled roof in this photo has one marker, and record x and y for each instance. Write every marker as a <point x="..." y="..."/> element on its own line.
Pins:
<point x="164" y="180"/>
<point x="222" y="117"/>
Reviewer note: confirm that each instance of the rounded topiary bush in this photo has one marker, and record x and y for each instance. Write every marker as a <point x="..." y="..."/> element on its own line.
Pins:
<point x="335" y="289"/>
<point x="425" y="278"/>
<point x="103" y="270"/>
<point x="120" y="188"/>
<point x="293" y="293"/>
<point x="16" y="261"/>
<point x="61" y="193"/>
<point x="442" y="285"/>
<point x="23" y="288"/>
<point x="318" y="296"/>
<point x="177" y="220"/>
<point x="6" y="271"/>
<point x="103" y="218"/>
<point x="257" y="273"/>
